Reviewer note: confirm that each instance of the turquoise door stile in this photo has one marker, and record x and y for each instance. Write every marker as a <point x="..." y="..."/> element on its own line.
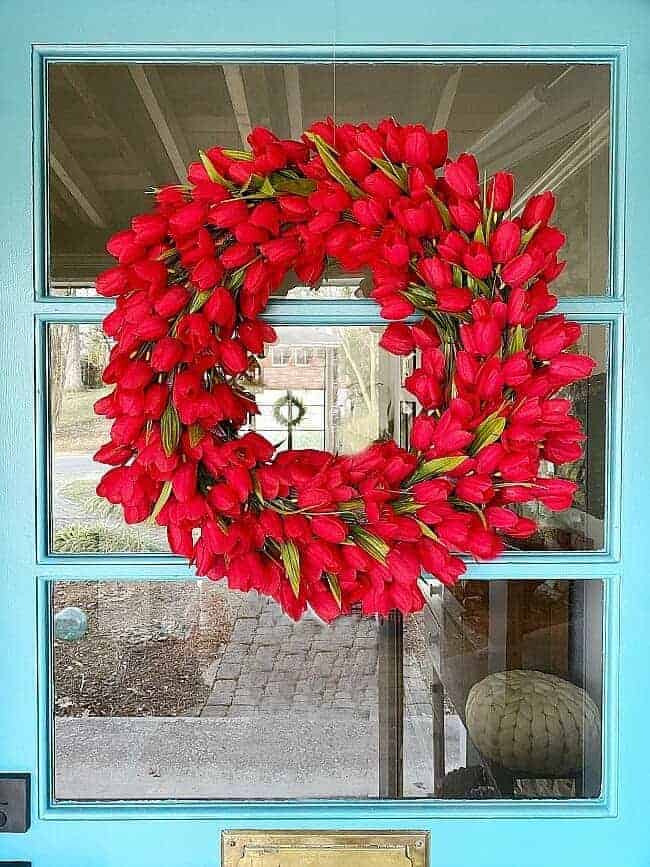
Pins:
<point x="603" y="828"/>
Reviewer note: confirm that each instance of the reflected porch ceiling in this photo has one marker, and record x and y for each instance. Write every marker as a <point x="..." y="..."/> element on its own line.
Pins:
<point x="116" y="130"/>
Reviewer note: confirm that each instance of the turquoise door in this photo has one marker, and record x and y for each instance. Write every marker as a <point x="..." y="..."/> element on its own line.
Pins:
<point x="153" y="711"/>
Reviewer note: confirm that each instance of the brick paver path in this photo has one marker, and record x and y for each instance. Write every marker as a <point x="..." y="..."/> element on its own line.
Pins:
<point x="270" y="663"/>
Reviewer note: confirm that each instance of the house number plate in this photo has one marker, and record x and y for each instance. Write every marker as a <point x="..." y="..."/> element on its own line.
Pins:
<point x="324" y="849"/>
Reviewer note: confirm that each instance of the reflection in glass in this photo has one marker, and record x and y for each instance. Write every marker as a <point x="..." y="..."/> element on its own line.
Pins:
<point x="581" y="528"/>
<point x="186" y="690"/>
<point x="82" y="522"/>
<point x="318" y="387"/>
<point x="326" y="387"/>
<point x="115" y="130"/>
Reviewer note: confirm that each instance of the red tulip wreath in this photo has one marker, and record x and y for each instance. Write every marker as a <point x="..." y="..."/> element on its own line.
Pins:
<point x="310" y="528"/>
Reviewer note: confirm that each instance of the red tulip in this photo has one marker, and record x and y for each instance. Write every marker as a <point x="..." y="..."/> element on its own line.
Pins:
<point x="435" y="272"/>
<point x="220" y="308"/>
<point x="462" y="177"/>
<point x="500" y="190"/>
<point x="538" y="210"/>
<point x="477" y="260"/>
<point x="397" y="339"/>
<point x="329" y="528"/>
<point x="112" y="282"/>
<point x="454" y="299"/>
<point x="188" y="219"/>
<point x="465" y="214"/>
<point x="233" y="356"/>
<point x="505" y="241"/>
<point x="522" y="268"/>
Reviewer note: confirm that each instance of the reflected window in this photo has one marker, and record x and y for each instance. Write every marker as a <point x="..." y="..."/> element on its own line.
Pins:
<point x="185" y="690"/>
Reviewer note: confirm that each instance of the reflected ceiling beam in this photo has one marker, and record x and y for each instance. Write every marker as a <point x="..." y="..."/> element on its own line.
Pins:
<point x="232" y="73"/>
<point x="76" y="181"/>
<point x="294" y="99"/>
<point x="156" y="101"/>
<point x="446" y="101"/>
<point x="542" y="139"/>
<point x="76" y="78"/>
<point x="584" y="150"/>
<point x="536" y="98"/>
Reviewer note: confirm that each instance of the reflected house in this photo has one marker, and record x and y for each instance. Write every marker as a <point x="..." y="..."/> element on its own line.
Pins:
<point x="306" y="373"/>
<point x="342" y="385"/>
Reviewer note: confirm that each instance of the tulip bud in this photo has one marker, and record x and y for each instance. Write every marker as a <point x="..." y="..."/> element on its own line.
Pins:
<point x="538" y="210"/>
<point x="451" y="247"/>
<point x="438" y="147"/>
<point x="356" y="165"/>
<point x="149" y="228"/>
<point x="330" y="529"/>
<point x="454" y="299"/>
<point x="398" y="339"/>
<point x="500" y="190"/>
<point x="465" y="214"/>
<point x="477" y="260"/>
<point x="207" y="273"/>
<point x="555" y="493"/>
<point x="416" y="147"/>
<point x="462" y="177"/>
<point x="188" y="219"/>
<point x="505" y="241"/>
<point x="233" y="356"/>
<point x="422" y="433"/>
<point x="114" y="281"/>
<point x="220" y="308"/>
<point x="435" y="272"/>
<point x="522" y="268"/>
<point x="166" y="354"/>
<point x="282" y="251"/>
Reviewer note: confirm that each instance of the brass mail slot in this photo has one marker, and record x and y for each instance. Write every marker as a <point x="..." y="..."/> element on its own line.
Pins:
<point x="324" y="849"/>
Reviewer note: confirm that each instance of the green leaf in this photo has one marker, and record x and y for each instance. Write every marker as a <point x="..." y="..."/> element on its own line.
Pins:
<point x="170" y="429"/>
<point x="443" y="210"/>
<point x="196" y="434"/>
<point x="488" y="432"/>
<point x="165" y="494"/>
<point x="199" y="300"/>
<point x="457" y="275"/>
<point x="426" y="530"/>
<point x="436" y="467"/>
<point x="297" y="187"/>
<point x="333" y="167"/>
<point x="266" y="188"/>
<point x="405" y="505"/>
<point x="479" y="235"/>
<point x="212" y="172"/>
<point x="516" y="340"/>
<point x="370" y="543"/>
<point x="528" y="236"/>
<point x="334" y="586"/>
<point x="291" y="560"/>
<point x="237" y="154"/>
<point x="397" y="174"/>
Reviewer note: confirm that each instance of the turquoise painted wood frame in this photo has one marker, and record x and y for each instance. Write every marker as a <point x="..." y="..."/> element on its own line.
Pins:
<point x="608" y="830"/>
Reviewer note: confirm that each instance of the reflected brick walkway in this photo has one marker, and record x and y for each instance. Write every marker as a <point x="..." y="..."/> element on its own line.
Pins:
<point x="271" y="663"/>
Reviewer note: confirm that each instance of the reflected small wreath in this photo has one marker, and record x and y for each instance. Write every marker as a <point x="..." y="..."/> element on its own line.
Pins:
<point x="310" y="528"/>
<point x="293" y="406"/>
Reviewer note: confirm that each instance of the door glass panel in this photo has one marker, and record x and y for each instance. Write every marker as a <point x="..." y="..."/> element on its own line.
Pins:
<point x="185" y="690"/>
<point x="318" y="387"/>
<point x="116" y="130"/>
<point x="582" y="527"/>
